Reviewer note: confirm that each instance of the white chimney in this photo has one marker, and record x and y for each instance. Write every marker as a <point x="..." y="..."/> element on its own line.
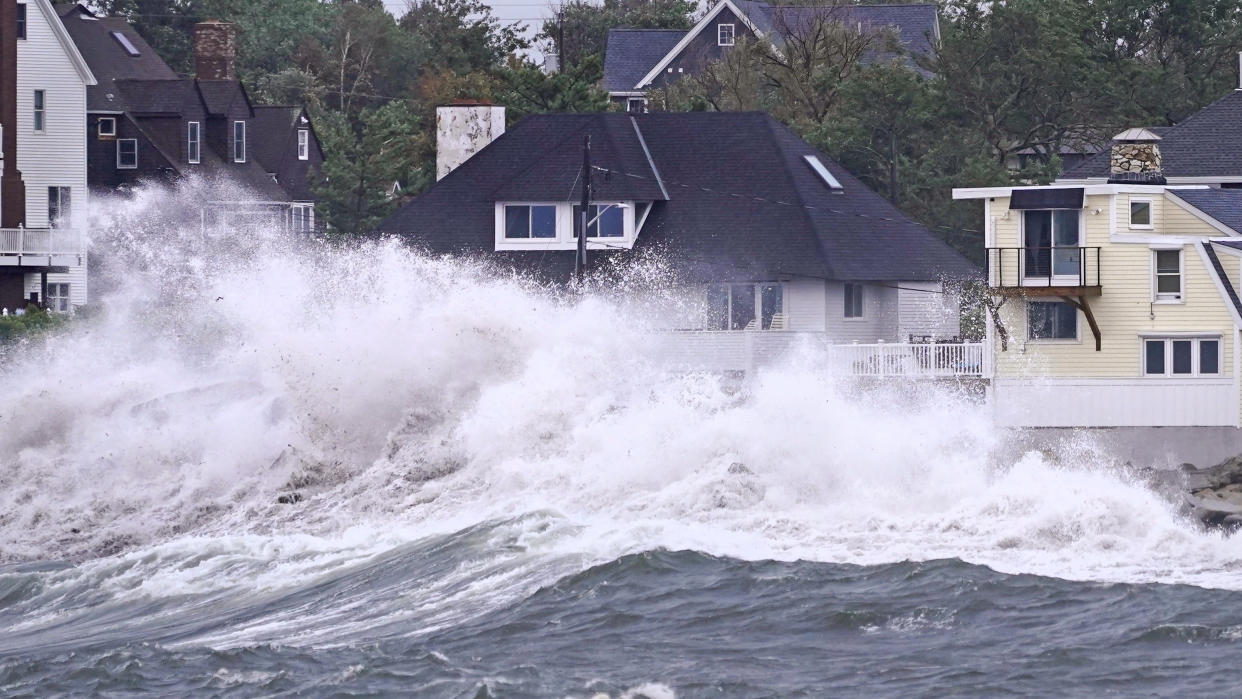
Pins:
<point x="463" y="129"/>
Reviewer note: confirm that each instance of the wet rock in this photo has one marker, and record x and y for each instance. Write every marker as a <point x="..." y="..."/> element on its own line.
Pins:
<point x="1211" y="495"/>
<point x="289" y="498"/>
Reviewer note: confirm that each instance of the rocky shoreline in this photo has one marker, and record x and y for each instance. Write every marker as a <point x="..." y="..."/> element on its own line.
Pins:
<point x="1211" y="495"/>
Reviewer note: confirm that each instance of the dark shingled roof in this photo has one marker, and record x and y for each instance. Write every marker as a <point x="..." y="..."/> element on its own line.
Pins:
<point x="1206" y="144"/>
<point x="1224" y="205"/>
<point x="742" y="201"/>
<point x="632" y="53"/>
<point x="155" y="96"/>
<point x="219" y="95"/>
<point x="1221" y="276"/>
<point x="107" y="59"/>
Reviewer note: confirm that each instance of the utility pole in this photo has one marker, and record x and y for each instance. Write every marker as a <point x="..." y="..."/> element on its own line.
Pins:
<point x="560" y="40"/>
<point x="580" y="259"/>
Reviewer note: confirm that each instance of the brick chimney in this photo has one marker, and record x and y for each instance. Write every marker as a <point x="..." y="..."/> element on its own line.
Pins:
<point x="215" y="50"/>
<point x="1135" y="158"/>
<point x="463" y="129"/>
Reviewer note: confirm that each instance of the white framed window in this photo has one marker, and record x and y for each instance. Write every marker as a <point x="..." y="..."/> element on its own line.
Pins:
<point x="853" y="296"/>
<point x="40" y="111"/>
<point x="1051" y="320"/>
<point x="302" y="217"/>
<point x="193" y="142"/>
<point x="239" y="141"/>
<point x="58" y="297"/>
<point x="1140" y="213"/>
<point x="553" y="225"/>
<point x="107" y="127"/>
<point x="636" y="105"/>
<point x="734" y="306"/>
<point x="1051" y="243"/>
<point x="1167" y="275"/>
<point x="126" y="153"/>
<point x="1181" y="356"/>
<point x="603" y="221"/>
<point x="724" y="34"/>
<point x="303" y="144"/>
<point x="59" y="207"/>
<point x="530" y="221"/>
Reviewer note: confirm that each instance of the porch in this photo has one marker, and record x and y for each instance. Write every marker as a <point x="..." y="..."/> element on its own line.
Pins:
<point x="747" y="350"/>
<point x="41" y="249"/>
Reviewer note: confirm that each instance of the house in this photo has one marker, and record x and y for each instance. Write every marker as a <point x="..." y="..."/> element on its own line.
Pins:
<point x="637" y="60"/>
<point x="767" y="233"/>
<point x="43" y="189"/>
<point x="1116" y="302"/>
<point x="146" y="123"/>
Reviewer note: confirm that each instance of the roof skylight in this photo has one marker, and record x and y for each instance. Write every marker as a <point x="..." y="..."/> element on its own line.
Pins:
<point x="822" y="171"/>
<point x="126" y="43"/>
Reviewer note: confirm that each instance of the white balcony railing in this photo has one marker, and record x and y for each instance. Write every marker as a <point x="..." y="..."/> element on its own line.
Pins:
<point x="40" y="241"/>
<point x="747" y="350"/>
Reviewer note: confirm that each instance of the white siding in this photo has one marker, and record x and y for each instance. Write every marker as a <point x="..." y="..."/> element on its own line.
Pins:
<point x="879" y="320"/>
<point x="1083" y="402"/>
<point x="57" y="156"/>
<point x="804" y="304"/>
<point x="925" y="308"/>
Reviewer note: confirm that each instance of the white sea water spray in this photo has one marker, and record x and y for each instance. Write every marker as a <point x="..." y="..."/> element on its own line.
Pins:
<point x="406" y="397"/>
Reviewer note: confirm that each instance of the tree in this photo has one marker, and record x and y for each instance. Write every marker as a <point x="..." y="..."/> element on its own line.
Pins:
<point x="585" y="25"/>
<point x="459" y="35"/>
<point x="526" y="89"/>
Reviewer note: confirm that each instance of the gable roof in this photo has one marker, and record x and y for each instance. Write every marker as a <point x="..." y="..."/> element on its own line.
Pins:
<point x="153" y="96"/>
<point x="52" y="18"/>
<point x="917" y="28"/>
<point x="1206" y="144"/>
<point x="741" y="202"/>
<point x="109" y="61"/>
<point x="630" y="53"/>
<point x="1223" y="205"/>
<point x="220" y="95"/>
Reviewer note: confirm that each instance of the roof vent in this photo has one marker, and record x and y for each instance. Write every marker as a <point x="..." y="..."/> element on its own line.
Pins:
<point x="823" y="173"/>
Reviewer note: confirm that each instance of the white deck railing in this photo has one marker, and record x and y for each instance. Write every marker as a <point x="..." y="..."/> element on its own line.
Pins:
<point x="40" y="241"/>
<point x="747" y="350"/>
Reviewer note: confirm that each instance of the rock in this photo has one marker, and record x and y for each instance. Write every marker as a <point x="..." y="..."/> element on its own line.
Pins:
<point x="289" y="498"/>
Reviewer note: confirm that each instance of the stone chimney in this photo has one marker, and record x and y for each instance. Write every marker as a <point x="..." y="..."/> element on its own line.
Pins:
<point x="1135" y="158"/>
<point x="215" y="50"/>
<point x="463" y="129"/>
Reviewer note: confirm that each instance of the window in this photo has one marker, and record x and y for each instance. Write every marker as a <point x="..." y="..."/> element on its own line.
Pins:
<point x="107" y="126"/>
<point x="193" y="142"/>
<point x="303" y="217"/>
<point x="1051" y="320"/>
<point x="530" y="221"/>
<point x="1177" y="356"/>
<point x="724" y="34"/>
<point x="1051" y="243"/>
<point x="733" y="306"/>
<point x="239" y="141"/>
<point x="58" y="297"/>
<point x="603" y="221"/>
<point x="853" y="300"/>
<point x="1140" y="213"/>
<point x="1168" y="281"/>
<point x="303" y="144"/>
<point x="40" y="110"/>
<point x="636" y="105"/>
<point x="21" y="20"/>
<point x="126" y="44"/>
<point x="59" y="207"/>
<point x="126" y="153"/>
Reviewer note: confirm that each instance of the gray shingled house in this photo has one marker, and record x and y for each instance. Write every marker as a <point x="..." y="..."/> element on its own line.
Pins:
<point x="771" y="233"/>
<point x="637" y="60"/>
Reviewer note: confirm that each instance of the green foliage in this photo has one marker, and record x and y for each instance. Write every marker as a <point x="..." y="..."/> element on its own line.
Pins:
<point x="33" y="322"/>
<point x="525" y="89"/>
<point x="584" y="25"/>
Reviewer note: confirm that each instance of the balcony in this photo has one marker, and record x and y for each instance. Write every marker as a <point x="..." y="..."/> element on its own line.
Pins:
<point x="1045" y="271"/>
<point x="42" y="248"/>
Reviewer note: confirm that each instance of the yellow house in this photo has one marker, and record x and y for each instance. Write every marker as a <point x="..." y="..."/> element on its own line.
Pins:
<point x="1114" y="304"/>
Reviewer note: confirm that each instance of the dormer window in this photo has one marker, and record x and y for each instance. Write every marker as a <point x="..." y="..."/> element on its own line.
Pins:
<point x="303" y="144"/>
<point x="525" y="221"/>
<point x="553" y="226"/>
<point x="724" y="34"/>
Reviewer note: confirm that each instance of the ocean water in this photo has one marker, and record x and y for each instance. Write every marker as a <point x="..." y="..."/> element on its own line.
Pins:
<point x="267" y="467"/>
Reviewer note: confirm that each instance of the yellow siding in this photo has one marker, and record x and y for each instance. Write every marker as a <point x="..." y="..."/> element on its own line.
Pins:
<point x="1125" y="307"/>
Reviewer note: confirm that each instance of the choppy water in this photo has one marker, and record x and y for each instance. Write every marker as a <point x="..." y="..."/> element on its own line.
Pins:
<point x="504" y="493"/>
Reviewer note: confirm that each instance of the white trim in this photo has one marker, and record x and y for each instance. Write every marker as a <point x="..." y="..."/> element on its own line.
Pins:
<point x="303" y="144"/>
<point x="1168" y="339"/>
<point x="1228" y="250"/>
<point x="1220" y="287"/>
<point x="99" y="126"/>
<point x="62" y="35"/>
<point x="1151" y="214"/>
<point x="1194" y="211"/>
<point x="651" y="163"/>
<point x="690" y="36"/>
<point x="1089" y="189"/>
<point x="862" y="302"/>
<point x="233" y="141"/>
<point x="1180" y="334"/>
<point x="732" y="34"/>
<point x="564" y="239"/>
<point x="196" y="158"/>
<point x="1167" y="298"/>
<point x="1151" y="239"/>
<point x="119" y="166"/>
<point x="627" y="93"/>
